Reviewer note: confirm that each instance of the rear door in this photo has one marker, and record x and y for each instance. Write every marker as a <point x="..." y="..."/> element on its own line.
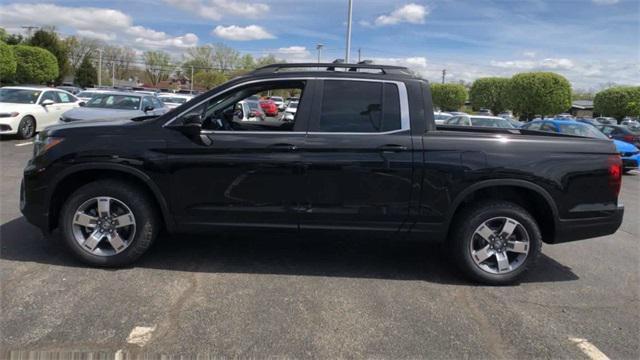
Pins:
<point x="358" y="156"/>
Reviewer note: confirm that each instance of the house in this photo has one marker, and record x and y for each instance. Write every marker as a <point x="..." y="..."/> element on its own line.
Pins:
<point x="582" y="108"/>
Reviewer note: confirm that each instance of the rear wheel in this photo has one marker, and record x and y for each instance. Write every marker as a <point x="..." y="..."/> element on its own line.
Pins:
<point x="27" y="127"/>
<point x="108" y="223"/>
<point x="496" y="242"/>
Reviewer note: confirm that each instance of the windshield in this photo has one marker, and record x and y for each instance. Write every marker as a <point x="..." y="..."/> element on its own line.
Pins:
<point x="499" y="123"/>
<point x="19" y="96"/>
<point x="109" y="101"/>
<point x="175" y="100"/>
<point x="580" y="129"/>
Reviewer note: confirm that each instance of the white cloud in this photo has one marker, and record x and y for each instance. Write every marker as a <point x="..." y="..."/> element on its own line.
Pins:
<point x="551" y="64"/>
<point x="410" y="13"/>
<point x="605" y="2"/>
<point x="97" y="23"/>
<point x="239" y="33"/>
<point x="217" y="9"/>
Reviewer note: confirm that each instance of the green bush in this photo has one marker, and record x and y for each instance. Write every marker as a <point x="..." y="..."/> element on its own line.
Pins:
<point x="618" y="102"/>
<point x="448" y="97"/>
<point x="8" y="62"/>
<point x="491" y="93"/>
<point x="543" y="93"/>
<point x="35" y="65"/>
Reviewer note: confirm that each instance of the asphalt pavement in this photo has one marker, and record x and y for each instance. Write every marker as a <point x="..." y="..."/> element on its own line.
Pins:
<point x="325" y="295"/>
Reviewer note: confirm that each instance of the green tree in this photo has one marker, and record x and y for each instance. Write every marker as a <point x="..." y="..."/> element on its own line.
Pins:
<point x="47" y="38"/>
<point x="543" y="93"/>
<point x="618" y="101"/>
<point x="208" y="79"/>
<point x="86" y="75"/>
<point x="157" y="65"/>
<point x="448" y="97"/>
<point x="8" y="63"/>
<point x="35" y="65"/>
<point x="491" y="93"/>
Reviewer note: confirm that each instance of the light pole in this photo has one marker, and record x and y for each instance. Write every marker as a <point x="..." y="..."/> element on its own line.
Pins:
<point x="319" y="48"/>
<point x="348" y="53"/>
<point x="99" y="67"/>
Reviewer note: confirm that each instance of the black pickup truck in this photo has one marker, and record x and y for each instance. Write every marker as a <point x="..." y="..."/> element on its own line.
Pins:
<point x="362" y="153"/>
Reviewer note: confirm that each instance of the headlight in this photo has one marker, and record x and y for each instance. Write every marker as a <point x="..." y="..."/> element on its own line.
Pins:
<point x="11" y="114"/>
<point x="41" y="146"/>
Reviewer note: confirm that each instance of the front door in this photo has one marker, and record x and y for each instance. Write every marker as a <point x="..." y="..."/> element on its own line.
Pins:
<point x="358" y="157"/>
<point x="239" y="173"/>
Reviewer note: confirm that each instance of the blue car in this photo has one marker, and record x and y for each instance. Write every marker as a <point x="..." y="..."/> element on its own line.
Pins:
<point x="629" y="153"/>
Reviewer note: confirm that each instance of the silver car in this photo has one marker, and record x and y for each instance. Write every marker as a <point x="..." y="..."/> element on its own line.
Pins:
<point x="116" y="106"/>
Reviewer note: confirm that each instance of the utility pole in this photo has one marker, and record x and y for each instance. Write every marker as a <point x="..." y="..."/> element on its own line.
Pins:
<point x="29" y="28"/>
<point x="347" y="57"/>
<point x="444" y="73"/>
<point x="359" y="54"/>
<point x="319" y="48"/>
<point x="100" y="67"/>
<point x="191" y="80"/>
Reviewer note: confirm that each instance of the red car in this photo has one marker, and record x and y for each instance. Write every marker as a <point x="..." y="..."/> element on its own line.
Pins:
<point x="270" y="108"/>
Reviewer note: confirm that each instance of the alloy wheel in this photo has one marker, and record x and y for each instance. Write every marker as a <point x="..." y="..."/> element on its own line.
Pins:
<point x="499" y="245"/>
<point x="103" y="226"/>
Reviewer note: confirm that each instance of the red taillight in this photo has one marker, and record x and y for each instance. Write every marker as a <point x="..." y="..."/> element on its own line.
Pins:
<point x="615" y="174"/>
<point x="628" y="138"/>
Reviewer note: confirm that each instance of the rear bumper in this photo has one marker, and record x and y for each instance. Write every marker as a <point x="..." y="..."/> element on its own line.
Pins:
<point x="580" y="229"/>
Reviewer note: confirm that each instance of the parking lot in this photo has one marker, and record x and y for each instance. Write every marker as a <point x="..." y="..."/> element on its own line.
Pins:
<point x="326" y="295"/>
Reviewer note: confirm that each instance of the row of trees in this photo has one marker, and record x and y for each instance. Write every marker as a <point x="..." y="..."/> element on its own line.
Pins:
<point x="78" y="56"/>
<point x="531" y="94"/>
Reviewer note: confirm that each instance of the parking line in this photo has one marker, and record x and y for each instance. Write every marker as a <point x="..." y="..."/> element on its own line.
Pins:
<point x="140" y="335"/>
<point x="589" y="349"/>
<point x="25" y="144"/>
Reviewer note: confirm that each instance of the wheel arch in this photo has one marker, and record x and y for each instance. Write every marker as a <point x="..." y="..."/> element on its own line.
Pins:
<point x="70" y="179"/>
<point x="530" y="196"/>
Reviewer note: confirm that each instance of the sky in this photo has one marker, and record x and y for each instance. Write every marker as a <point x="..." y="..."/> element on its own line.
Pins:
<point x="591" y="42"/>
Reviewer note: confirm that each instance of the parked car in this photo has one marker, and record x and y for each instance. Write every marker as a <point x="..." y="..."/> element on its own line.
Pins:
<point x="629" y="153"/>
<point x="289" y="113"/>
<point x="622" y="133"/>
<point x="279" y="102"/>
<point x="481" y="121"/>
<point x="87" y="94"/>
<point x="269" y="107"/>
<point x="174" y="100"/>
<point x="607" y="120"/>
<point x="116" y="105"/>
<point x="441" y="117"/>
<point x="112" y="186"/>
<point x="27" y="110"/>
<point x="248" y="110"/>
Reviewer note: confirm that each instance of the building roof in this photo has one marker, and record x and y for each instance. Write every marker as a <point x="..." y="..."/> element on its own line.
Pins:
<point x="582" y="104"/>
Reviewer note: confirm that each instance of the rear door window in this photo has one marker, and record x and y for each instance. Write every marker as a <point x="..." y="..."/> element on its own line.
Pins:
<point x="359" y="107"/>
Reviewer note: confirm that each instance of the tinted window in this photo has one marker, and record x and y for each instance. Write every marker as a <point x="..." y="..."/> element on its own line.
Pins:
<point x="359" y="106"/>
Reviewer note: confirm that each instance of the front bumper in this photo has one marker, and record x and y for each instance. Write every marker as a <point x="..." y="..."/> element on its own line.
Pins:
<point x="580" y="229"/>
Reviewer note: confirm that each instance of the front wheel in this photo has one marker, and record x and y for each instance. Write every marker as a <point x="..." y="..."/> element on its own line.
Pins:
<point x="495" y="242"/>
<point x="109" y="223"/>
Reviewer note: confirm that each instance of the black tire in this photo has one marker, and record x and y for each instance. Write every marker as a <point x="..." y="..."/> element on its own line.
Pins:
<point x="27" y="127"/>
<point x="146" y="219"/>
<point x="471" y="219"/>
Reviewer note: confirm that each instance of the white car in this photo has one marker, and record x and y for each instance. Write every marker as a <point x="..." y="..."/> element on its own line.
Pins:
<point x="290" y="112"/>
<point x="441" y="117"/>
<point x="27" y="110"/>
<point x="174" y="100"/>
<point x="279" y="102"/>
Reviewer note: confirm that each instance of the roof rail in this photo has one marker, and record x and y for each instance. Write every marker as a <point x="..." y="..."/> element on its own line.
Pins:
<point x="384" y="69"/>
